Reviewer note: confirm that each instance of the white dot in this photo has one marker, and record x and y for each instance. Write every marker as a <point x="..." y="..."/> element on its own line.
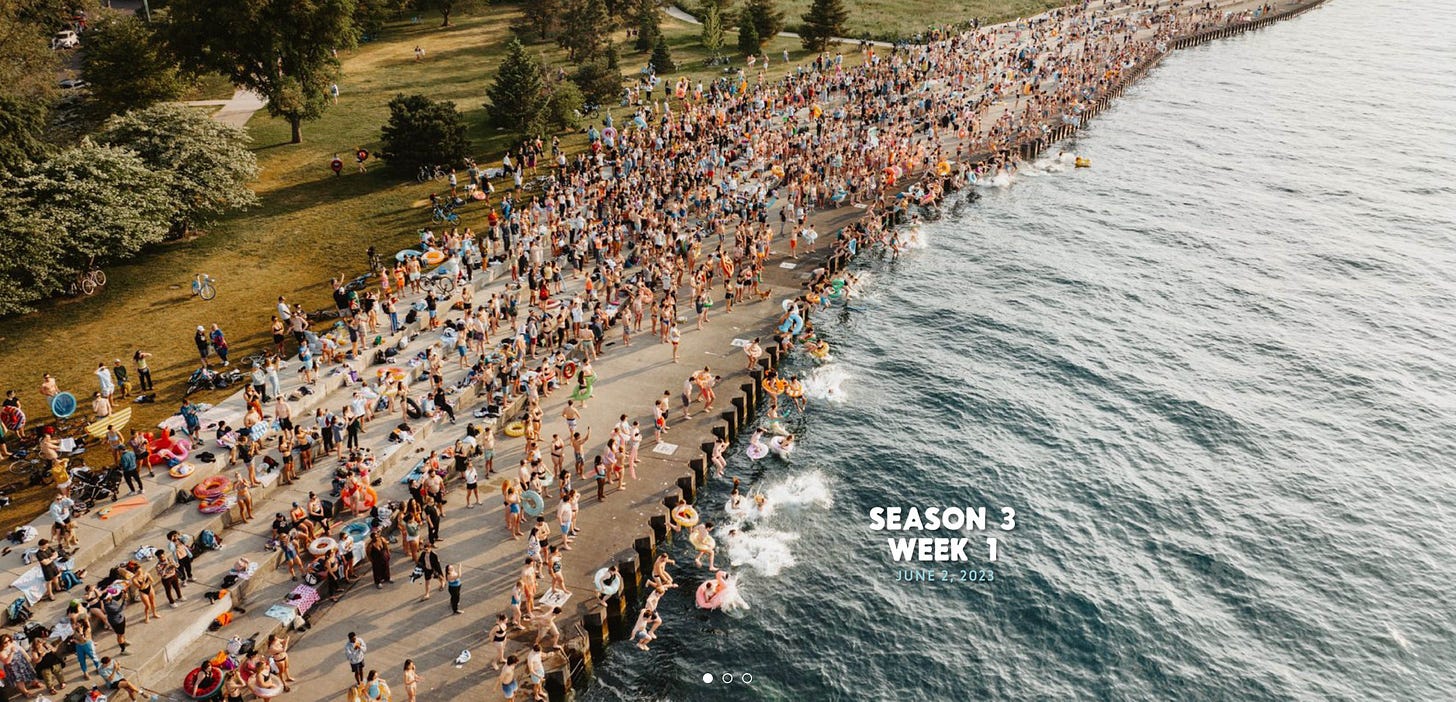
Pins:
<point x="707" y="677"/>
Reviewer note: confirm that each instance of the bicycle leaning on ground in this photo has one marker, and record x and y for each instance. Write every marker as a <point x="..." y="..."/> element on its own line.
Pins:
<point x="89" y="282"/>
<point x="203" y="287"/>
<point x="428" y="173"/>
<point x="444" y="215"/>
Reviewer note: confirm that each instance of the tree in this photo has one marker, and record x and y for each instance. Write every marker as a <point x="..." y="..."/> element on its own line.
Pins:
<point x="449" y="7"/>
<point x="543" y="17"/>
<point x="421" y="131"/>
<point x="824" y="21"/>
<point x="584" y="29"/>
<point x="662" y="58"/>
<point x="128" y="66"/>
<point x="27" y="89"/>
<point x="281" y="49"/>
<point x="600" y="80"/>
<point x="22" y="132"/>
<point x="28" y="250"/>
<point x="563" y="107"/>
<point x="712" y="36"/>
<point x="748" y="42"/>
<point x="370" y="15"/>
<point x="208" y="166"/>
<point x="104" y="201"/>
<point x="649" y="25"/>
<point x="517" y="95"/>
<point x="767" y="19"/>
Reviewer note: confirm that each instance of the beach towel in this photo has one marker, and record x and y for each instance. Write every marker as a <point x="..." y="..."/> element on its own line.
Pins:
<point x="31" y="584"/>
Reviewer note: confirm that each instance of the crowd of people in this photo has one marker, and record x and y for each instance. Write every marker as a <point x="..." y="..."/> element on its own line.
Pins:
<point x="681" y="205"/>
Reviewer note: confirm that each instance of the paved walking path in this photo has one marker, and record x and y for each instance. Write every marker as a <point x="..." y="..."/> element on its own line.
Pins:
<point x="235" y="111"/>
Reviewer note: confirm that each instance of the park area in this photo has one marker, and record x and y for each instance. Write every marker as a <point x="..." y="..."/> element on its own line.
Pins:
<point x="310" y="226"/>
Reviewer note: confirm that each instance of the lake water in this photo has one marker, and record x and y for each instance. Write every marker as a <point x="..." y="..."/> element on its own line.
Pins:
<point x="1212" y="374"/>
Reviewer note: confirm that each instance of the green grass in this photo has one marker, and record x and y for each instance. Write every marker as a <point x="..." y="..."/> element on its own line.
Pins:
<point x="896" y="19"/>
<point x="310" y="226"/>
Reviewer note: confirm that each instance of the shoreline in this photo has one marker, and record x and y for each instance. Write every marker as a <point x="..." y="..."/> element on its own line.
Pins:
<point x="613" y="624"/>
<point x="634" y="547"/>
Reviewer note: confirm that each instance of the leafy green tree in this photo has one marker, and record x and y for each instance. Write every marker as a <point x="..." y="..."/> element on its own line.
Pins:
<point x="649" y="25"/>
<point x="517" y="96"/>
<point x="563" y="107"/>
<point x="449" y="7"/>
<point x="584" y="29"/>
<point x="712" y="35"/>
<point x="371" y="15"/>
<point x="824" y="21"/>
<point x="421" y="131"/>
<point x="22" y="132"/>
<point x="600" y="80"/>
<point x="27" y="90"/>
<point x="128" y="66"/>
<point x="29" y="249"/>
<point x="662" y="57"/>
<point x="767" y="19"/>
<point x="748" y="42"/>
<point x="208" y="166"/>
<point x="281" y="49"/>
<point x="104" y="201"/>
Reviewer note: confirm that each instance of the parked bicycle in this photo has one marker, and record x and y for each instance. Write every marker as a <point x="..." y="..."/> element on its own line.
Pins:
<point x="429" y="173"/>
<point x="36" y="471"/>
<point x="89" y="282"/>
<point x="444" y="214"/>
<point x="203" y="286"/>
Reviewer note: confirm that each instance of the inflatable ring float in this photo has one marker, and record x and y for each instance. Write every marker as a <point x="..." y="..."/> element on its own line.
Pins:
<point x="756" y="451"/>
<point x="1082" y="162"/>
<point x="267" y="692"/>
<point x="725" y="593"/>
<point x="568" y="371"/>
<point x="359" y="499"/>
<point x="199" y="688"/>
<point x="63" y="404"/>
<point x="702" y="541"/>
<point x="547" y="479"/>
<point x="533" y="503"/>
<point x="685" y="516"/>
<point x="216" y="505"/>
<point x="433" y="257"/>
<point x="212" y="488"/>
<point x="322" y="545"/>
<point x="515" y="428"/>
<point x="357" y="530"/>
<point x="777" y="444"/>
<point x="177" y="450"/>
<point x="181" y="470"/>
<point x="603" y="586"/>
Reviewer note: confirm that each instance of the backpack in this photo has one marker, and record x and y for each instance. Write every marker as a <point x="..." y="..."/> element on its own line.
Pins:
<point x="183" y="497"/>
<point x="18" y="612"/>
<point x="208" y="541"/>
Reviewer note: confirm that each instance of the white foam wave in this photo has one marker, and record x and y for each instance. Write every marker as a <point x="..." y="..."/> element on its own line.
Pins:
<point x="763" y="550"/>
<point x="827" y="383"/>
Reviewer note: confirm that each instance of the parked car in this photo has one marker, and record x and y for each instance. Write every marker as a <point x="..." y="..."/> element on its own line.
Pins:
<point x="65" y="40"/>
<point x="72" y="84"/>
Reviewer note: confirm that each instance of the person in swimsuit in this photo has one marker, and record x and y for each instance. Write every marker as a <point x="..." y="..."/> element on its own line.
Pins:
<point x="411" y="680"/>
<point x="498" y="634"/>
<point x="507" y="678"/>
<point x="537" y="672"/>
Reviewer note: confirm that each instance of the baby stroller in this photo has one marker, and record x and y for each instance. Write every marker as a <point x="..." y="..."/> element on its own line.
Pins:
<point x="89" y="487"/>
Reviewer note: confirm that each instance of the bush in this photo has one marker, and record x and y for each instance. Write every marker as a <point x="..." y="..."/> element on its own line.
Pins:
<point x="422" y="132"/>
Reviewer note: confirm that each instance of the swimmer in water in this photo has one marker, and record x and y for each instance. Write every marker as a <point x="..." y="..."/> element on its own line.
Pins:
<point x="795" y="392"/>
<point x="761" y="502"/>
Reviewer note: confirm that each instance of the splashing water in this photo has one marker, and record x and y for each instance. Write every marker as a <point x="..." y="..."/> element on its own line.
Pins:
<point x="827" y="383"/>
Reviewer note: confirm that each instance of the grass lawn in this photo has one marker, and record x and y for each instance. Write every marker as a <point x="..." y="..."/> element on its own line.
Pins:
<point x="311" y="225"/>
<point x="894" y="19"/>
